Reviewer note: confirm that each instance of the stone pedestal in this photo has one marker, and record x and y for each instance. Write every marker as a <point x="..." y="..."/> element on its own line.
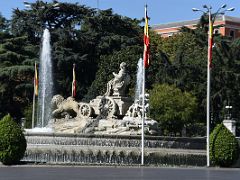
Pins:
<point x="231" y="125"/>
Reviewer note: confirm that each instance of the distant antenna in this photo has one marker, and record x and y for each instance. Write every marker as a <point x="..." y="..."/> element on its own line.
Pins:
<point x="98" y="4"/>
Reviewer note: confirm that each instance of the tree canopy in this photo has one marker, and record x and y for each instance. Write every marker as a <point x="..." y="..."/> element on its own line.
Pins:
<point x="80" y="35"/>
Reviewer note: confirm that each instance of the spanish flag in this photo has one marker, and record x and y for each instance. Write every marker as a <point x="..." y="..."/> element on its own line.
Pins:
<point x="74" y="82"/>
<point x="210" y="43"/>
<point x="146" y="41"/>
<point x="36" y="80"/>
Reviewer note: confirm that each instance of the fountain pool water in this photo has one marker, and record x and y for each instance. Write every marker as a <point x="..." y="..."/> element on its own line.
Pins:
<point x="45" y="82"/>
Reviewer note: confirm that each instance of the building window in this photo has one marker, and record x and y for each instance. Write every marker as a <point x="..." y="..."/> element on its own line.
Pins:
<point x="232" y="34"/>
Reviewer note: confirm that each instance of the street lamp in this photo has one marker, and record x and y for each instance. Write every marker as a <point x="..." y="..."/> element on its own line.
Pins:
<point x="212" y="17"/>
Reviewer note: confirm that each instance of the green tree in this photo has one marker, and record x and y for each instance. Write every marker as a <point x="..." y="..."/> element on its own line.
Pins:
<point x="80" y="35"/>
<point x="16" y="74"/>
<point x="225" y="81"/>
<point x="4" y="24"/>
<point x="70" y="43"/>
<point x="180" y="60"/>
<point x="171" y="107"/>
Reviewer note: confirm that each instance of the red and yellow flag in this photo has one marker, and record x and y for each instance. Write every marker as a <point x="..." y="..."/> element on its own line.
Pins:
<point x="210" y="42"/>
<point x="74" y="82"/>
<point x="146" y="41"/>
<point x="36" y="80"/>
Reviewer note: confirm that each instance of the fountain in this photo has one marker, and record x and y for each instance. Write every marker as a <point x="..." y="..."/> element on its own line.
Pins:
<point x="45" y="82"/>
<point x="139" y="84"/>
<point x="106" y="131"/>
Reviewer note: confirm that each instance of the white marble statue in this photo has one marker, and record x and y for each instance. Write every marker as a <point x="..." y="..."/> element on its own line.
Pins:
<point x="117" y="86"/>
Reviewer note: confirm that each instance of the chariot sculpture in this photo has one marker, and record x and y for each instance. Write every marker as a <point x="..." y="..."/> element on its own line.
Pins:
<point x="113" y="104"/>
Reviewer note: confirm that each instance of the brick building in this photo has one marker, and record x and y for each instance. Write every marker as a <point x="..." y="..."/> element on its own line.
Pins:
<point x="231" y="26"/>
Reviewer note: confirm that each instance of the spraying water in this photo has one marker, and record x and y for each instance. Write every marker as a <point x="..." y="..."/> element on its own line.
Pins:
<point x="138" y="90"/>
<point x="45" y="82"/>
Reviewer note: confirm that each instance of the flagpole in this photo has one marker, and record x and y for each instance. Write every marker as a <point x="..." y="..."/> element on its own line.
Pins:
<point x="145" y="64"/>
<point x="34" y="97"/>
<point x="143" y="114"/>
<point x="73" y="82"/>
<point x="208" y="85"/>
<point x="33" y="111"/>
<point x="209" y="63"/>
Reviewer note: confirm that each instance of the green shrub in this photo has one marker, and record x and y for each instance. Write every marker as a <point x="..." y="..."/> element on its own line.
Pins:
<point x="224" y="148"/>
<point x="12" y="141"/>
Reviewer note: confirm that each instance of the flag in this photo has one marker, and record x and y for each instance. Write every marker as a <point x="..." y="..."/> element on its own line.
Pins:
<point x="146" y="41"/>
<point x="210" y="42"/>
<point x="36" y="81"/>
<point x="74" y="82"/>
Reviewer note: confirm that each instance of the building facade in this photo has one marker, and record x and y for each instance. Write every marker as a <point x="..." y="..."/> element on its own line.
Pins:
<point x="230" y="26"/>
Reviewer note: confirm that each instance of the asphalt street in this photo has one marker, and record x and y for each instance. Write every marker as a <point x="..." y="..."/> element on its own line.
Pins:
<point x="114" y="173"/>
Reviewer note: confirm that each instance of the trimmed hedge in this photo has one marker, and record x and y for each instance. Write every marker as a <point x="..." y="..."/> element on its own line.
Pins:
<point x="224" y="147"/>
<point x="12" y="141"/>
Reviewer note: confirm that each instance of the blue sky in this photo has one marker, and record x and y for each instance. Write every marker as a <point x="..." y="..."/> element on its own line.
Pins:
<point x="160" y="11"/>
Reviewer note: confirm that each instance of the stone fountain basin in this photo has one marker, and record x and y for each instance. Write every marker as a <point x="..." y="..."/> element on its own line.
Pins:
<point x="51" y="138"/>
<point x="113" y="149"/>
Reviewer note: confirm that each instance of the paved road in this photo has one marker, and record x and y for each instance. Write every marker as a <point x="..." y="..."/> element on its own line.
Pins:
<point x="115" y="173"/>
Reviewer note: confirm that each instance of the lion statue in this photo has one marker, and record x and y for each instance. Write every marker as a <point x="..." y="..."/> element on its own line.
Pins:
<point x="62" y="107"/>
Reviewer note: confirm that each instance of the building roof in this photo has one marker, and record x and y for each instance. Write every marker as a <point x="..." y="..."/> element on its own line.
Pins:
<point x="231" y="18"/>
<point x="193" y="22"/>
<point x="175" y="24"/>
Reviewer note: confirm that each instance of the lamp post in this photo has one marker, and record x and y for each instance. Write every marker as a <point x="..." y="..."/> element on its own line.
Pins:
<point x="212" y="17"/>
<point x="228" y="108"/>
